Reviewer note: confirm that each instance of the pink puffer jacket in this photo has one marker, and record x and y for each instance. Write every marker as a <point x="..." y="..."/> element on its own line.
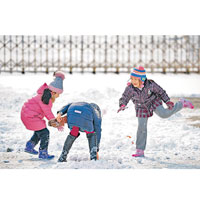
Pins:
<point x="34" y="110"/>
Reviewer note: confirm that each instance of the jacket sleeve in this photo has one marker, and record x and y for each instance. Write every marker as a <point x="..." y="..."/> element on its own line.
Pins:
<point x="97" y="124"/>
<point x="64" y="109"/>
<point x="47" y="110"/>
<point x="126" y="96"/>
<point x="160" y="92"/>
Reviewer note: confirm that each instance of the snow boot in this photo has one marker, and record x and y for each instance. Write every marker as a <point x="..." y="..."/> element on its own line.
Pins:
<point x="43" y="154"/>
<point x="30" y="148"/>
<point x="67" y="146"/>
<point x="186" y="103"/>
<point x="139" y="153"/>
<point x="92" y="141"/>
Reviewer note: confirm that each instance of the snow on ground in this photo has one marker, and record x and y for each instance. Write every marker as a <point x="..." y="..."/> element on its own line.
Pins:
<point x="172" y="142"/>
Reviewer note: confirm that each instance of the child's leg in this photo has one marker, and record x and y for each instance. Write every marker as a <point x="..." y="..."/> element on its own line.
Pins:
<point x="165" y="113"/>
<point x="44" y="138"/>
<point x="31" y="144"/>
<point x="186" y="103"/>
<point x="68" y="143"/>
<point x="35" y="138"/>
<point x="44" y="143"/>
<point x="141" y="133"/>
<point x="92" y="141"/>
<point x="75" y="131"/>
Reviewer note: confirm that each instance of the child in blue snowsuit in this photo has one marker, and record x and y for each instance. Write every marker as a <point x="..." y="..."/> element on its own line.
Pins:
<point x="84" y="117"/>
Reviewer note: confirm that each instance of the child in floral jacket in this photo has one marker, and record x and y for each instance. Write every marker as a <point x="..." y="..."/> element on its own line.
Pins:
<point x="147" y="96"/>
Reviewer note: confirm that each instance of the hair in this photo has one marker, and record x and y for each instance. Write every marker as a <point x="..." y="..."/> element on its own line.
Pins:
<point x="46" y="96"/>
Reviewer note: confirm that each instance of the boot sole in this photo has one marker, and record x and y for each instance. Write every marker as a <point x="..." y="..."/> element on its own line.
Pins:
<point x="30" y="152"/>
<point x="46" y="158"/>
<point x="136" y="156"/>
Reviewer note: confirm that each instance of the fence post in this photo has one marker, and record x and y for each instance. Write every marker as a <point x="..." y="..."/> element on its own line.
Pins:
<point x="10" y="51"/>
<point x="117" y="59"/>
<point x="198" y="56"/>
<point x="70" y="59"/>
<point x="34" y="50"/>
<point x="105" y="61"/>
<point x="47" y="60"/>
<point x="94" y="52"/>
<point x="23" y="71"/>
<point x="59" y="46"/>
<point x="82" y="49"/>
<point x="164" y="54"/>
<point x="152" y="50"/>
<point x="129" y="53"/>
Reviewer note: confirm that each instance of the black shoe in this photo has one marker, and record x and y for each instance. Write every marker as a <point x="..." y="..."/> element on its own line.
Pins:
<point x="61" y="159"/>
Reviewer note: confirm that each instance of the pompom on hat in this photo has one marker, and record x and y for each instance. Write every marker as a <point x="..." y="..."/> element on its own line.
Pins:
<point x="57" y="84"/>
<point x="139" y="72"/>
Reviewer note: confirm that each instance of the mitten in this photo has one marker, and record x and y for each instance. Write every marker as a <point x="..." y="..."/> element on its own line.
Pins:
<point x="170" y="105"/>
<point x="123" y="107"/>
<point x="60" y="128"/>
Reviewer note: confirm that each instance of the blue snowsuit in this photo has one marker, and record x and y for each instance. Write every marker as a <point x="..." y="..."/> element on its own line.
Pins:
<point x="86" y="116"/>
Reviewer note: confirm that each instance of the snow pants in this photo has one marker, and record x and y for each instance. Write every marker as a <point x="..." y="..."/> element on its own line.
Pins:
<point x="42" y="136"/>
<point x="74" y="133"/>
<point x="142" y="123"/>
<point x="92" y="140"/>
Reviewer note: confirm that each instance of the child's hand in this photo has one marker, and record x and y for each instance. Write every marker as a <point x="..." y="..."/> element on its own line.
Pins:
<point x="170" y="105"/>
<point x="53" y="122"/>
<point x="123" y="107"/>
<point x="63" y="121"/>
<point x="58" y="118"/>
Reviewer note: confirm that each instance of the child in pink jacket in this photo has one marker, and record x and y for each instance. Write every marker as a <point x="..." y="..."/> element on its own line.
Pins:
<point x="38" y="107"/>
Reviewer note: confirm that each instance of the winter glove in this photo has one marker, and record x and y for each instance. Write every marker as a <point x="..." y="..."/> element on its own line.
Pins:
<point x="170" y="105"/>
<point x="123" y="107"/>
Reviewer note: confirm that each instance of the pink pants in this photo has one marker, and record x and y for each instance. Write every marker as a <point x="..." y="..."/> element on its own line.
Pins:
<point x="75" y="131"/>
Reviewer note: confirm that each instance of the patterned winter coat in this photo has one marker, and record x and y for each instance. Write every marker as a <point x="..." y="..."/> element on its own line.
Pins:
<point x="34" y="110"/>
<point x="145" y="100"/>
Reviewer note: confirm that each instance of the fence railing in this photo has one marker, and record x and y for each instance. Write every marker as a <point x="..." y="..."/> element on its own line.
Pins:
<point x="99" y="53"/>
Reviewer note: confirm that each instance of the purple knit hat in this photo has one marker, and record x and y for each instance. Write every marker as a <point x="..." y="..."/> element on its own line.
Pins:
<point x="57" y="84"/>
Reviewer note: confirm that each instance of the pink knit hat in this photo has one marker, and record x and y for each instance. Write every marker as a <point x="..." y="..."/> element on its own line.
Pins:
<point x="57" y="84"/>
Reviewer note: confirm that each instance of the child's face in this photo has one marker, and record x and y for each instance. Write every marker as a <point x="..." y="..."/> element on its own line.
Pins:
<point x="55" y="95"/>
<point x="136" y="82"/>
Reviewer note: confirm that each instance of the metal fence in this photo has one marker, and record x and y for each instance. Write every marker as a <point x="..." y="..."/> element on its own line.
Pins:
<point x="99" y="53"/>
